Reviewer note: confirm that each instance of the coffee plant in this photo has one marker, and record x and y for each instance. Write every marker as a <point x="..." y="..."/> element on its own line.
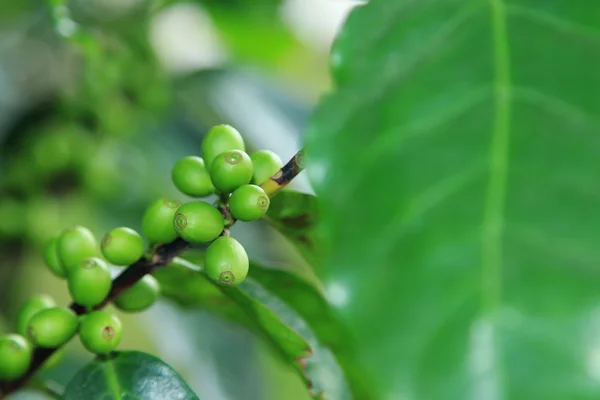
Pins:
<point x="453" y="236"/>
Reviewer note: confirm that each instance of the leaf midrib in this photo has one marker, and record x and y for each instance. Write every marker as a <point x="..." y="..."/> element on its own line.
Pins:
<point x="495" y="198"/>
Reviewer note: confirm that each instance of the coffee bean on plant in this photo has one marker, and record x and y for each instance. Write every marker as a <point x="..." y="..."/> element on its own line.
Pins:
<point x="31" y="307"/>
<point x="226" y="261"/>
<point x="231" y="170"/>
<point x="248" y="203"/>
<point x="122" y="246"/>
<point x="90" y="282"/>
<point x="265" y="164"/>
<point x="157" y="223"/>
<point x="219" y="139"/>
<point x="52" y="327"/>
<point x="75" y="245"/>
<point x="191" y="177"/>
<point x="100" y="332"/>
<point x="51" y="257"/>
<point x="16" y="354"/>
<point x="198" y="222"/>
<point x="140" y="296"/>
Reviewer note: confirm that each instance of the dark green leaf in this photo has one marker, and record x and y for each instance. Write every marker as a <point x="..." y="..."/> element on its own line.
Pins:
<point x="274" y="320"/>
<point x="295" y="215"/>
<point x="457" y="164"/>
<point x="128" y="375"/>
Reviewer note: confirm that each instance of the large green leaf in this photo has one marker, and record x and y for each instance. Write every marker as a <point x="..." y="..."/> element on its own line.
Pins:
<point x="457" y="163"/>
<point x="128" y="375"/>
<point x="295" y="215"/>
<point x="272" y="318"/>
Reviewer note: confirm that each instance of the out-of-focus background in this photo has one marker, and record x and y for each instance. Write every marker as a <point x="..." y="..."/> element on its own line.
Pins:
<point x="99" y="98"/>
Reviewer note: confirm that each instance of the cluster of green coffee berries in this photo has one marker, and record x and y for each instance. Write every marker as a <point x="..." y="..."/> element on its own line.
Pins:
<point x="226" y="170"/>
<point x="75" y="256"/>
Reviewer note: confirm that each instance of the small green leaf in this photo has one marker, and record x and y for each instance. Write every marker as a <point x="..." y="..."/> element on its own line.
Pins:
<point x="311" y="306"/>
<point x="270" y="317"/>
<point x="456" y="164"/>
<point x="128" y="375"/>
<point x="295" y="215"/>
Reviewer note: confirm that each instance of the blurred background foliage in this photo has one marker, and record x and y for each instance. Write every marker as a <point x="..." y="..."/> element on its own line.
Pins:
<point x="99" y="98"/>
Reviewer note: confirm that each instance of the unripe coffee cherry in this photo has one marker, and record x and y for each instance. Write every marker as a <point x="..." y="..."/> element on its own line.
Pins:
<point x="157" y="224"/>
<point x="191" y="177"/>
<point x="219" y="139"/>
<point x="75" y="245"/>
<point x="140" y="296"/>
<point x="52" y="327"/>
<point x="122" y="246"/>
<point x="15" y="356"/>
<point x="226" y="261"/>
<point x="100" y="332"/>
<point x="231" y="170"/>
<point x="248" y="203"/>
<point x="90" y="282"/>
<point x="51" y="257"/>
<point x="198" y="222"/>
<point x="30" y="308"/>
<point x="265" y="164"/>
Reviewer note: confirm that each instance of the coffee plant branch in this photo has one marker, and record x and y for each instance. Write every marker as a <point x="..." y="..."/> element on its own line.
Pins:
<point x="161" y="257"/>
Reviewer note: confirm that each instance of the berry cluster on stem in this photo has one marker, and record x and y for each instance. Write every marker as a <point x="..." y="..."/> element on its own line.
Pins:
<point x="231" y="164"/>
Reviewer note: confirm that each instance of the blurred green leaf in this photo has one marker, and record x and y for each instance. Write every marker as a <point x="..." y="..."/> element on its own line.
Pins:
<point x="295" y="215"/>
<point x="128" y="374"/>
<point x="259" y="310"/>
<point x="311" y="306"/>
<point x="454" y="164"/>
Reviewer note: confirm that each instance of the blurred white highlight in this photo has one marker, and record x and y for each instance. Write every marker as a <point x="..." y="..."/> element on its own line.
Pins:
<point x="185" y="39"/>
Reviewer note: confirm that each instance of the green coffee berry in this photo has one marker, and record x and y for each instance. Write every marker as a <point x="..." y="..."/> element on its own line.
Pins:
<point x="248" y="203"/>
<point x="75" y="245"/>
<point x="265" y="164"/>
<point x="100" y="332"/>
<point x="51" y="257"/>
<point x="198" y="222"/>
<point x="157" y="224"/>
<point x="140" y="296"/>
<point x="122" y="246"/>
<point x="30" y="308"/>
<point x="219" y="139"/>
<point x="15" y="356"/>
<point x="52" y="327"/>
<point x="191" y="177"/>
<point x="226" y="261"/>
<point x="90" y="282"/>
<point x="231" y="170"/>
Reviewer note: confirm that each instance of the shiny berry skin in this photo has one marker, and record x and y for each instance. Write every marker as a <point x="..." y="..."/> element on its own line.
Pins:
<point x="198" y="222"/>
<point x="52" y="327"/>
<point x="100" y="332"/>
<point x="31" y="307"/>
<point x="75" y="245"/>
<point x="231" y="170"/>
<point x="90" y="282"/>
<point x="51" y="257"/>
<point x="157" y="224"/>
<point x="140" y="296"/>
<point x="190" y="176"/>
<point x="265" y="164"/>
<point x="248" y="203"/>
<point x="16" y="354"/>
<point x="226" y="261"/>
<point x="219" y="139"/>
<point x="122" y="246"/>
